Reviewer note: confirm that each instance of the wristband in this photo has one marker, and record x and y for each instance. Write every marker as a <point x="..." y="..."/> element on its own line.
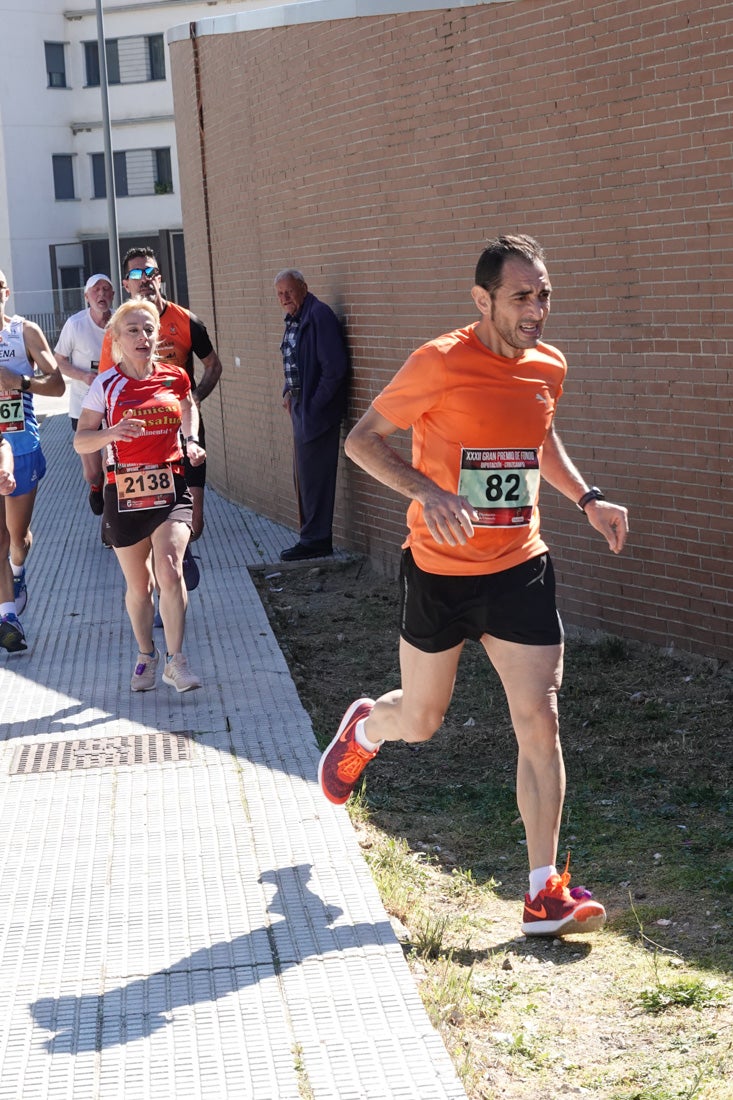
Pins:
<point x="592" y="494"/>
<point x="192" y="439"/>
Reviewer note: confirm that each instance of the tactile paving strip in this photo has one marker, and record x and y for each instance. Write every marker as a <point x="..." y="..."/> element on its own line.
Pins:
<point x="199" y="926"/>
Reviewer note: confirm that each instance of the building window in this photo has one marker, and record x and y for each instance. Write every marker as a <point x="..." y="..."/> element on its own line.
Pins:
<point x="55" y="64"/>
<point x="91" y="63"/>
<point x="163" y="173"/>
<point x="132" y="60"/>
<point x="137" y="172"/>
<point x="63" y="176"/>
<point x="99" y="180"/>
<point x="72" y="288"/>
<point x="156" y="56"/>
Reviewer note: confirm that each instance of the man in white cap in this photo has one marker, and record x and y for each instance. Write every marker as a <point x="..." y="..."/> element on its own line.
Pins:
<point x="77" y="353"/>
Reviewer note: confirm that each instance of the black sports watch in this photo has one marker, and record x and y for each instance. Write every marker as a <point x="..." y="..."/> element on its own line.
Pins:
<point x="593" y="493"/>
<point x="25" y="383"/>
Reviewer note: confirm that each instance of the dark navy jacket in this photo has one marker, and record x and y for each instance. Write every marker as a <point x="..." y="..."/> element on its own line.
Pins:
<point x="323" y="365"/>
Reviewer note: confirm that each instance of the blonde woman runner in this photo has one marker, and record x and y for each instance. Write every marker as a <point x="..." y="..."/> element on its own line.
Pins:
<point x="147" y="516"/>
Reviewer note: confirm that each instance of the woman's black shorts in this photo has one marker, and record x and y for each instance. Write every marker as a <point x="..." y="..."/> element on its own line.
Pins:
<point x="127" y="528"/>
<point x="438" y="612"/>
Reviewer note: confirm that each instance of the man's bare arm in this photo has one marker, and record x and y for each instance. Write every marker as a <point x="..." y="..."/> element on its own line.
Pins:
<point x="611" y="520"/>
<point x="448" y="516"/>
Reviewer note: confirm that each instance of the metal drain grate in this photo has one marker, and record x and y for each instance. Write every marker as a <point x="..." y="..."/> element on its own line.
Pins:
<point x="101" y="752"/>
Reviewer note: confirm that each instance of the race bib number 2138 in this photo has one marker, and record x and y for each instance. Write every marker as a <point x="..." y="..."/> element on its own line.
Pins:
<point x="502" y="485"/>
<point x="142" y="487"/>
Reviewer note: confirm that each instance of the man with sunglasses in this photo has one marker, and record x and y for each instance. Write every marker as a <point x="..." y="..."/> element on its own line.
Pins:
<point x="182" y="335"/>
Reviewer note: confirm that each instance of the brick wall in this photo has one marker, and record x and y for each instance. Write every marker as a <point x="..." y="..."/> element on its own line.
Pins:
<point x="378" y="153"/>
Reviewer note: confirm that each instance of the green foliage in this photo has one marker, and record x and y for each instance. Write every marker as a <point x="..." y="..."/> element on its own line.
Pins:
<point x="428" y="934"/>
<point x="612" y="649"/>
<point x="686" y="993"/>
<point x="399" y="875"/>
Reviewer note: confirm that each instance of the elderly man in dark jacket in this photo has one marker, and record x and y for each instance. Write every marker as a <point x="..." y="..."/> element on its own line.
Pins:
<point x="316" y="366"/>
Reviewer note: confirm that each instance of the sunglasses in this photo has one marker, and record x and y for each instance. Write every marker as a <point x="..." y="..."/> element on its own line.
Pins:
<point x="138" y="272"/>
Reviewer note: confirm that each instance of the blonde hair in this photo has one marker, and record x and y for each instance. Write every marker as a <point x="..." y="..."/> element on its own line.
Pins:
<point x="117" y="320"/>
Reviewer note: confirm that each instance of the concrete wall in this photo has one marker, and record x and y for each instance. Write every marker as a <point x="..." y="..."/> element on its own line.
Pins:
<point x="377" y="151"/>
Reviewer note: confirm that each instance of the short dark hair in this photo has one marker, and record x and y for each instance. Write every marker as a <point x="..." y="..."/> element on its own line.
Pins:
<point x="143" y="250"/>
<point x="491" y="261"/>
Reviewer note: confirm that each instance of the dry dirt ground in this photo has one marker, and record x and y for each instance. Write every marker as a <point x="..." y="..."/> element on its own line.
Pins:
<point x="640" y="1011"/>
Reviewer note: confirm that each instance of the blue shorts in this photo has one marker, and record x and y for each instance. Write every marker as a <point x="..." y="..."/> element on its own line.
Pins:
<point x="28" y="470"/>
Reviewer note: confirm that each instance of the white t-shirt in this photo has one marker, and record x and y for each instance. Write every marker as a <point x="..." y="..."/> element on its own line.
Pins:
<point x="80" y="341"/>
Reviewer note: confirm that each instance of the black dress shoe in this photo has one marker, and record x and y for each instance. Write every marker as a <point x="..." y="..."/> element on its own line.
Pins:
<point x="299" y="552"/>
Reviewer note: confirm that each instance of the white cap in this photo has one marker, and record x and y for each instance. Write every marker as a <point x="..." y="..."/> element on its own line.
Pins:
<point x="94" y="279"/>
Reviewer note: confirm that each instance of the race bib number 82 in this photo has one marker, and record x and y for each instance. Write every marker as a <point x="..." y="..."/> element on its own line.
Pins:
<point x="501" y="485"/>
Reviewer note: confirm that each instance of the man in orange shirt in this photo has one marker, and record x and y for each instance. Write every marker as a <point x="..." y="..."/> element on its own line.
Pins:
<point x="481" y="402"/>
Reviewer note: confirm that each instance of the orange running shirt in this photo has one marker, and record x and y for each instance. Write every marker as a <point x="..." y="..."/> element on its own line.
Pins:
<point x="156" y="400"/>
<point x="181" y="334"/>
<point x="478" y="425"/>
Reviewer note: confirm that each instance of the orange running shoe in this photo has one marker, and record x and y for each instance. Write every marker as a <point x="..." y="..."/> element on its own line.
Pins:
<point x="556" y="911"/>
<point x="344" y="760"/>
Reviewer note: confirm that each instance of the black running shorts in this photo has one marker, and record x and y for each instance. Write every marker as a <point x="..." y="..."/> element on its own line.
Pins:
<point x="127" y="528"/>
<point x="438" y="612"/>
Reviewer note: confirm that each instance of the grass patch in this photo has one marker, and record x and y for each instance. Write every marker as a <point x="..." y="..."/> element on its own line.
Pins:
<point x="685" y="993"/>
<point x="640" y="1011"/>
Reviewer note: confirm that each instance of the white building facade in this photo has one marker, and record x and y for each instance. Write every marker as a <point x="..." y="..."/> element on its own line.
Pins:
<point x="53" y="205"/>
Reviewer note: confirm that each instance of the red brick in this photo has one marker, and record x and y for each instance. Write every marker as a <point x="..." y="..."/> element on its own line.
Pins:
<point x="378" y="153"/>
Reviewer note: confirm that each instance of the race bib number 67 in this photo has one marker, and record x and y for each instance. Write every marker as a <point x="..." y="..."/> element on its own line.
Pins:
<point x="12" y="415"/>
<point x="502" y="485"/>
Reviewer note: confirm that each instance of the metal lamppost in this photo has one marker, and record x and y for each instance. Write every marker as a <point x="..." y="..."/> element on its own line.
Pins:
<point x="109" y="175"/>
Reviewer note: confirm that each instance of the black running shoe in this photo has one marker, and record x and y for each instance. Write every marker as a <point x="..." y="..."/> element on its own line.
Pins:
<point x="12" y="637"/>
<point x="191" y="573"/>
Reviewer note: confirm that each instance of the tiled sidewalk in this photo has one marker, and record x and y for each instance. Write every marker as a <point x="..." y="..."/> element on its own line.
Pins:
<point x="182" y="914"/>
